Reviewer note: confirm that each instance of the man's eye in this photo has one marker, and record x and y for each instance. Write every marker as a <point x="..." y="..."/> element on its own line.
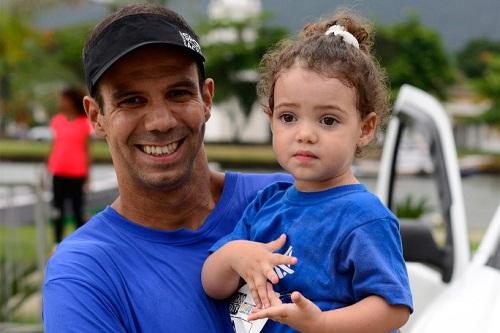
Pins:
<point x="132" y="101"/>
<point x="328" y="120"/>
<point x="287" y="118"/>
<point x="179" y="93"/>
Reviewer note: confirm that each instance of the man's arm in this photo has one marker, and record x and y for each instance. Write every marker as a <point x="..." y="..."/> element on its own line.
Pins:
<point x="72" y="305"/>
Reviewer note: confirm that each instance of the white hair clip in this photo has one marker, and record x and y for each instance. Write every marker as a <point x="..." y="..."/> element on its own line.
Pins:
<point x="347" y="37"/>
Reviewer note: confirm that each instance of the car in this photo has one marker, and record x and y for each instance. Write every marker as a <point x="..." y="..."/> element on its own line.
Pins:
<point x="453" y="291"/>
<point x="40" y="133"/>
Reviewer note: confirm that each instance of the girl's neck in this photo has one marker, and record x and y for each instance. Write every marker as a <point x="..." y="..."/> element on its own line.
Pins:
<point x="317" y="186"/>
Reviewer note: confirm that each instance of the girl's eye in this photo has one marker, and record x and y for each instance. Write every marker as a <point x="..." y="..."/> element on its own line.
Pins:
<point x="328" y="120"/>
<point x="287" y="118"/>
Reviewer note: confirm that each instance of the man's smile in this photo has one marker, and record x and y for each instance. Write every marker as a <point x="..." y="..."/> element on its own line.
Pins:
<point x="160" y="150"/>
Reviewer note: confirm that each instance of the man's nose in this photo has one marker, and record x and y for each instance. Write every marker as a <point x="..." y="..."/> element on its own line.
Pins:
<point x="306" y="133"/>
<point x="160" y="118"/>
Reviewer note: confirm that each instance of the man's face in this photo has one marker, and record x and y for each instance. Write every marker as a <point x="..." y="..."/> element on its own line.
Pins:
<point x="154" y="117"/>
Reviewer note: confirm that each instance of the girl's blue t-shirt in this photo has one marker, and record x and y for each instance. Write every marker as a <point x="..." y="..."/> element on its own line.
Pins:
<point x="346" y="241"/>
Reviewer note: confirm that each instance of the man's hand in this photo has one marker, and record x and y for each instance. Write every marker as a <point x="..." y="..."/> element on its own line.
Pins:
<point x="255" y="262"/>
<point x="302" y="315"/>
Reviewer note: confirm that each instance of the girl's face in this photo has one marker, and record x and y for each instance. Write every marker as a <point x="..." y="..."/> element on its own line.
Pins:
<point x="316" y="128"/>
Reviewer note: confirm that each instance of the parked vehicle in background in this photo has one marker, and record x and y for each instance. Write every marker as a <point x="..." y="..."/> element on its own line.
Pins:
<point x="40" y="133"/>
<point x="452" y="293"/>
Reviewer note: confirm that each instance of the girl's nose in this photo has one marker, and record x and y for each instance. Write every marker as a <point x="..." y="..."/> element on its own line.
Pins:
<point x="307" y="134"/>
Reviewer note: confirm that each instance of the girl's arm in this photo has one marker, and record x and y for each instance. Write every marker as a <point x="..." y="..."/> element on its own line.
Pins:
<point x="372" y="314"/>
<point x="252" y="261"/>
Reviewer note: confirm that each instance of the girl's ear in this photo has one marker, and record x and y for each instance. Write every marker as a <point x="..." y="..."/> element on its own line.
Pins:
<point x="270" y="117"/>
<point x="368" y="126"/>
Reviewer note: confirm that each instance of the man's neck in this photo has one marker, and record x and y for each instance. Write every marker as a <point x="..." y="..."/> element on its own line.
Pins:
<point x="186" y="206"/>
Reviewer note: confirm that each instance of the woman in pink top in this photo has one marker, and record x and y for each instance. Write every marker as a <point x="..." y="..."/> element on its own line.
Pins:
<point x="69" y="157"/>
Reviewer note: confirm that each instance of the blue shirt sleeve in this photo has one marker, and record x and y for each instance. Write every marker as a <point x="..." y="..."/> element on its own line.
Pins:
<point x="78" y="295"/>
<point x="72" y="305"/>
<point x="372" y="254"/>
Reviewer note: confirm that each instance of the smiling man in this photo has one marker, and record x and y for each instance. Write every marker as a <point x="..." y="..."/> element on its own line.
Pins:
<point x="135" y="266"/>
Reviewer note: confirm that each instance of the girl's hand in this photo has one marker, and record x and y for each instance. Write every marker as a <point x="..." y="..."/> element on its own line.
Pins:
<point x="302" y="315"/>
<point x="255" y="262"/>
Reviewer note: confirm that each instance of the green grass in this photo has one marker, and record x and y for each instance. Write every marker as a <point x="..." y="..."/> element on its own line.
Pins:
<point x="19" y="243"/>
<point x="18" y="257"/>
<point x="226" y="155"/>
<point x="470" y="151"/>
<point x="247" y="156"/>
<point x="24" y="150"/>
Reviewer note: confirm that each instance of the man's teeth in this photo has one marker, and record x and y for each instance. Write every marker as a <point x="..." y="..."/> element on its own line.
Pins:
<point x="160" y="150"/>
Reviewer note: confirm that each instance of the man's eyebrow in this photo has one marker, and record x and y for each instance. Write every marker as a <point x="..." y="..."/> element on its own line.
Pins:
<point x="186" y="82"/>
<point x="121" y="93"/>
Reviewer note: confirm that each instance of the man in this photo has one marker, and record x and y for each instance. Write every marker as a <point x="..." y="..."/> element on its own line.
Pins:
<point x="135" y="267"/>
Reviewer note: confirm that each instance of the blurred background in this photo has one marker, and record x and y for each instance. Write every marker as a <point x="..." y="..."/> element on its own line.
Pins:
<point x="449" y="48"/>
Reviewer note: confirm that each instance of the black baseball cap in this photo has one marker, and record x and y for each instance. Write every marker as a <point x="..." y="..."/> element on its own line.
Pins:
<point x="131" y="32"/>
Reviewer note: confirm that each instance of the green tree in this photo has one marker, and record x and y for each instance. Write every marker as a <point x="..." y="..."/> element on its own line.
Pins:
<point x="412" y="53"/>
<point x="18" y="41"/>
<point x="234" y="62"/>
<point x="489" y="86"/>
<point x="473" y="57"/>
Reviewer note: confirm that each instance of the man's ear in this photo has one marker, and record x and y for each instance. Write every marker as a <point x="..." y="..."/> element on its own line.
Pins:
<point x="94" y="115"/>
<point x="207" y="95"/>
<point x="368" y="127"/>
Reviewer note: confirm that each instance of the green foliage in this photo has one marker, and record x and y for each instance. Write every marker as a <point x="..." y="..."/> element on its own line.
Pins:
<point x="16" y="38"/>
<point x="488" y="86"/>
<point x="228" y="60"/>
<point x="412" y="53"/>
<point x="33" y="64"/>
<point x="18" y="41"/>
<point x="67" y="48"/>
<point x="410" y="207"/>
<point x="36" y="70"/>
<point x="473" y="57"/>
<point x="492" y="116"/>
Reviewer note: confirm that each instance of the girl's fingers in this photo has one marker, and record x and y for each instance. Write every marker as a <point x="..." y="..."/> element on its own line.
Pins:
<point x="281" y="259"/>
<point x="300" y="300"/>
<point x="276" y="244"/>
<point x="271" y="275"/>
<point x="273" y="298"/>
<point x="260" y="284"/>
<point x="274" y="313"/>
<point x="255" y="293"/>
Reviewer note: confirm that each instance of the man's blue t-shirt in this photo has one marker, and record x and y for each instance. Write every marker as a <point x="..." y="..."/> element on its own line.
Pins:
<point x="113" y="275"/>
<point x="346" y="241"/>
